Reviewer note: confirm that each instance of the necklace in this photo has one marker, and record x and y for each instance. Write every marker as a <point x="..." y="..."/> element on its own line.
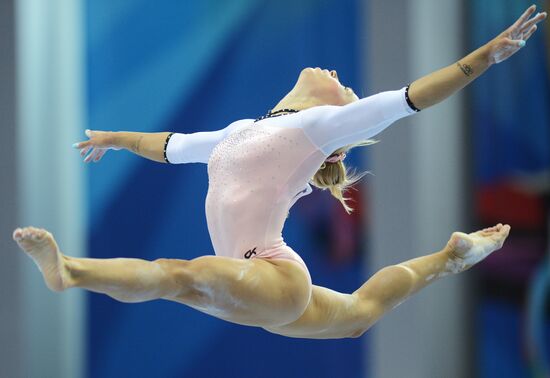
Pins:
<point x="271" y="114"/>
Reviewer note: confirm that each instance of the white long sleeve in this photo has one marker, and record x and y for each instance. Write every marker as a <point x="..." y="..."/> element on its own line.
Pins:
<point x="328" y="127"/>
<point x="197" y="147"/>
<point x="332" y="127"/>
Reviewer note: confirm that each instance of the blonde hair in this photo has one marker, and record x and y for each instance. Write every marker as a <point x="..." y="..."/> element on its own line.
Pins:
<point x="337" y="178"/>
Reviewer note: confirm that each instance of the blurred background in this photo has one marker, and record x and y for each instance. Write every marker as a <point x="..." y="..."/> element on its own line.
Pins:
<point x="479" y="158"/>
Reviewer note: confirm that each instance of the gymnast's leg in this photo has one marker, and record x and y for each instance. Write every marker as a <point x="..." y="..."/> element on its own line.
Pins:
<point x="336" y="315"/>
<point x="251" y="292"/>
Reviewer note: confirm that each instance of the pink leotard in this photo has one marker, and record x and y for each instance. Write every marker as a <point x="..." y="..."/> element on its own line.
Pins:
<point x="258" y="170"/>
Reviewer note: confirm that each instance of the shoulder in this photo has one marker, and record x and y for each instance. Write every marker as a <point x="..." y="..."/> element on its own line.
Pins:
<point x="318" y="111"/>
<point x="317" y="117"/>
<point x="240" y="122"/>
<point x="237" y="125"/>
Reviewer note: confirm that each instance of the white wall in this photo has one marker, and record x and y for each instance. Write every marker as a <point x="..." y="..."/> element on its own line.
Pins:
<point x="50" y="176"/>
<point x="418" y="191"/>
<point x="11" y="360"/>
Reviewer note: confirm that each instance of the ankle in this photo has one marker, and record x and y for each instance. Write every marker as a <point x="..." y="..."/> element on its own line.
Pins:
<point x="455" y="263"/>
<point x="450" y="252"/>
<point x="70" y="271"/>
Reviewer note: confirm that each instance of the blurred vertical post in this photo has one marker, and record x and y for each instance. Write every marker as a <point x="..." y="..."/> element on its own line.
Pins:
<point x="50" y="176"/>
<point x="418" y="191"/>
<point x="10" y="291"/>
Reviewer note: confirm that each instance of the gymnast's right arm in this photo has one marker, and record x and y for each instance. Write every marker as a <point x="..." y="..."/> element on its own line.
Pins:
<point x="163" y="147"/>
<point x="147" y="145"/>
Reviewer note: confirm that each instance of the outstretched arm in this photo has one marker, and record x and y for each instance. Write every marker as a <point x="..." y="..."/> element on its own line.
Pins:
<point x="333" y="127"/>
<point x="437" y="86"/>
<point x="176" y="148"/>
<point x="147" y="145"/>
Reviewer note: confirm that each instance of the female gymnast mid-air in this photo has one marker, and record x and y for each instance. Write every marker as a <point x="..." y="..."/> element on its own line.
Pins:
<point x="257" y="170"/>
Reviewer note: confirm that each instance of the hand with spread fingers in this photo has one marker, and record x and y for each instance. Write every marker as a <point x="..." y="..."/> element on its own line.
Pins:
<point x="435" y="87"/>
<point x="514" y="38"/>
<point x="96" y="146"/>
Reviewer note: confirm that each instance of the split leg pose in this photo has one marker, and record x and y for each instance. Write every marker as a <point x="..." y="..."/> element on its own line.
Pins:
<point x="250" y="292"/>
<point x="331" y="314"/>
<point x="255" y="278"/>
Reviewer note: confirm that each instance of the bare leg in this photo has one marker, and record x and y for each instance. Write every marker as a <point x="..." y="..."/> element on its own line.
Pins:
<point x="252" y="292"/>
<point x="127" y="280"/>
<point x="336" y="315"/>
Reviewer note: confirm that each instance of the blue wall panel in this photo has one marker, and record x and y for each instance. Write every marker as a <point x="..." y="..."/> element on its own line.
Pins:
<point x="191" y="66"/>
<point x="510" y="112"/>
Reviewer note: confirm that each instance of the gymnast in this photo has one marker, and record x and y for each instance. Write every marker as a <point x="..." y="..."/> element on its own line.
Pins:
<point x="257" y="170"/>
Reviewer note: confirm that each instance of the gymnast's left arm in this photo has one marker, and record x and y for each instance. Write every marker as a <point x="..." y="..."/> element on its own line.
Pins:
<point x="437" y="86"/>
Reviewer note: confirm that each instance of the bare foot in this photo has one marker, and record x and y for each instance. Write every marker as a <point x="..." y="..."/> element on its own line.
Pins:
<point x="40" y="245"/>
<point x="467" y="250"/>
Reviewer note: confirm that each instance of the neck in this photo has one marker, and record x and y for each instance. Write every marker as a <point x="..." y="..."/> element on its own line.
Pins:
<point x="296" y="102"/>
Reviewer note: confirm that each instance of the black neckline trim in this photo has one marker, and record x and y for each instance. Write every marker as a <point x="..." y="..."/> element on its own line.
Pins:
<point x="277" y="113"/>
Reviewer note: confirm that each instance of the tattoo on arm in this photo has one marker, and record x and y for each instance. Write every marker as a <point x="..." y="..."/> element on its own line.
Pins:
<point x="137" y="145"/>
<point x="466" y="68"/>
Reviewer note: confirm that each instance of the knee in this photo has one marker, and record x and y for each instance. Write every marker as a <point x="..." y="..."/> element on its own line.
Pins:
<point x="177" y="273"/>
<point x="366" y="314"/>
<point x="176" y="268"/>
<point x="172" y="266"/>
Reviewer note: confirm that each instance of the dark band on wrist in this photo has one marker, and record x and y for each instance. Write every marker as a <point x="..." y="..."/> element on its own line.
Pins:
<point x="166" y="145"/>
<point x="409" y="102"/>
